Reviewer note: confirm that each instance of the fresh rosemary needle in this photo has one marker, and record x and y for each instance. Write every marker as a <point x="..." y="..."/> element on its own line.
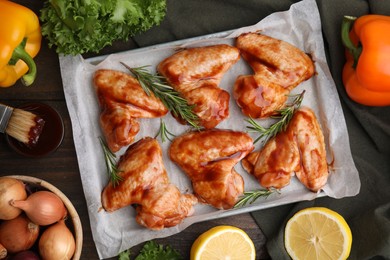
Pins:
<point x="164" y="133"/>
<point x="252" y="196"/>
<point x="171" y="98"/>
<point x="284" y="115"/>
<point x="110" y="159"/>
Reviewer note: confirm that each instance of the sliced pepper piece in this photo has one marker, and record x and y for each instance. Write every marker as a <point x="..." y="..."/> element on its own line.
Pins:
<point x="20" y="42"/>
<point x="366" y="73"/>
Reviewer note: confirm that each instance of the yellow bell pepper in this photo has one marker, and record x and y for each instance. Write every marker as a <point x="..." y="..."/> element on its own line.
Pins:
<point x="20" y="42"/>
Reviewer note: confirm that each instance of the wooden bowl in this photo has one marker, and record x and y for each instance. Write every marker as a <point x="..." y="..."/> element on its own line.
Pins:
<point x="72" y="213"/>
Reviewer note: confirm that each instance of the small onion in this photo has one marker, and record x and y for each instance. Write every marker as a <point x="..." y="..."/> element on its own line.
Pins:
<point x="42" y="207"/>
<point x="18" y="234"/>
<point x="10" y="189"/>
<point x="26" y="255"/>
<point x="57" y="242"/>
<point x="3" y="252"/>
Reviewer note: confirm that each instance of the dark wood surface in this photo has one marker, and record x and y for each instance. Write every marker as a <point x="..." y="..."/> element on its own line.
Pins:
<point x="61" y="167"/>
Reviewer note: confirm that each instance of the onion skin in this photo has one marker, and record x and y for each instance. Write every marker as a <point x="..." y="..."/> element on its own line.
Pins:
<point x="57" y="242"/>
<point x="3" y="252"/>
<point x="26" y="255"/>
<point x="18" y="234"/>
<point x="42" y="207"/>
<point x="10" y="189"/>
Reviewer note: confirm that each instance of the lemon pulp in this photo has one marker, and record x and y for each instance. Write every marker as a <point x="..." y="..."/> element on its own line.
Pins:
<point x="317" y="233"/>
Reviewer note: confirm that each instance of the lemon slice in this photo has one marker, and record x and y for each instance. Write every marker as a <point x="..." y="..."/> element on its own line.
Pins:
<point x="317" y="233"/>
<point x="223" y="242"/>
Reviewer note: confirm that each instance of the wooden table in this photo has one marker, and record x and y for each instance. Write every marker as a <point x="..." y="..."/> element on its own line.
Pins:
<point x="61" y="167"/>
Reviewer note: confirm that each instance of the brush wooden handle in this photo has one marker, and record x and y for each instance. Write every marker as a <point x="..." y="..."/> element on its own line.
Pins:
<point x="5" y="115"/>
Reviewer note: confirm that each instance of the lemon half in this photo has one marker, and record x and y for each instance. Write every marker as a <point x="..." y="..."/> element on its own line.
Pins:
<point x="317" y="233"/>
<point x="223" y="242"/>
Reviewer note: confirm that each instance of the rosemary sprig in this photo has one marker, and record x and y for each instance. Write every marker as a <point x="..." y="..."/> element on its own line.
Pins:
<point x="164" y="133"/>
<point x="171" y="98"/>
<point x="110" y="159"/>
<point x="251" y="196"/>
<point x="284" y="115"/>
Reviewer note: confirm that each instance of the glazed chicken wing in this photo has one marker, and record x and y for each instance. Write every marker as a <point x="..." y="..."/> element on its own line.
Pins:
<point x="145" y="183"/>
<point x="278" y="68"/>
<point x="122" y="101"/>
<point x="313" y="172"/>
<point x="208" y="158"/>
<point x="196" y="73"/>
<point x="300" y="150"/>
<point x="258" y="97"/>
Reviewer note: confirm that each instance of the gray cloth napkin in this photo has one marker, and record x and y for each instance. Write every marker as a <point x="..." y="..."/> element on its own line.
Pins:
<point x="368" y="213"/>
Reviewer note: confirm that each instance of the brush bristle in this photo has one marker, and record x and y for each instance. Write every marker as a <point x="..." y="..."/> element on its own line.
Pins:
<point x="25" y="126"/>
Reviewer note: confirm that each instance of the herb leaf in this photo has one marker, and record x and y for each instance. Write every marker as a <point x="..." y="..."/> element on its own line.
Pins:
<point x="153" y="251"/>
<point x="252" y="196"/>
<point x="125" y="255"/>
<point x="284" y="115"/>
<point x="110" y="159"/>
<point x="171" y="98"/>
<point x="164" y="133"/>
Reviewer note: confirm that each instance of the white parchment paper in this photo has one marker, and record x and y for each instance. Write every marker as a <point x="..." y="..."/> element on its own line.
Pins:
<point x="118" y="231"/>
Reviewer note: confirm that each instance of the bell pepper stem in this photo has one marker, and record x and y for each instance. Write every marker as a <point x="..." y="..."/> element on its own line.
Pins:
<point x="346" y="39"/>
<point x="20" y="53"/>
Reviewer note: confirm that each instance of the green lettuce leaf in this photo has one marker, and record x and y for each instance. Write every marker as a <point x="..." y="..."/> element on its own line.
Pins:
<point x="153" y="251"/>
<point x="80" y="26"/>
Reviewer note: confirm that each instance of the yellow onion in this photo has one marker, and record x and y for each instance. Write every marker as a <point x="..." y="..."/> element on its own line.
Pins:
<point x="42" y="207"/>
<point x="18" y="234"/>
<point x="57" y="242"/>
<point x="26" y="255"/>
<point x="10" y="189"/>
<point x="3" y="252"/>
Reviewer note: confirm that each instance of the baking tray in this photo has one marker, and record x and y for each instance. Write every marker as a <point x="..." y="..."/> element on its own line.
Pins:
<point x="118" y="231"/>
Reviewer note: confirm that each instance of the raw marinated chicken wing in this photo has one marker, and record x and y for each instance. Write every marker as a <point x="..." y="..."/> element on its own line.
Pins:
<point x="196" y="73"/>
<point x="258" y="97"/>
<point x="300" y="150"/>
<point x="313" y="172"/>
<point x="276" y="60"/>
<point x="278" y="68"/>
<point x="274" y="165"/>
<point x="145" y="183"/>
<point x="208" y="158"/>
<point x="122" y="100"/>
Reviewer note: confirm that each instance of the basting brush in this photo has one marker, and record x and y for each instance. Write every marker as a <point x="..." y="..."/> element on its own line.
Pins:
<point x="24" y="126"/>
